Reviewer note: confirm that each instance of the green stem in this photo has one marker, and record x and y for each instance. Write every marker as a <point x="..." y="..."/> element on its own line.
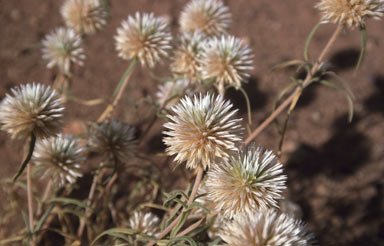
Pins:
<point x="28" y="158"/>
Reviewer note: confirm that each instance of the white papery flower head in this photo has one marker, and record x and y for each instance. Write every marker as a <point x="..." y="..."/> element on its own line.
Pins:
<point x="169" y="93"/>
<point x="210" y="17"/>
<point x="31" y="108"/>
<point x="350" y="12"/>
<point x="251" y="179"/>
<point x="113" y="140"/>
<point x="63" y="47"/>
<point x="144" y="37"/>
<point x="228" y="60"/>
<point x="266" y="228"/>
<point x="84" y="16"/>
<point x="147" y="223"/>
<point x="187" y="57"/>
<point x="61" y="158"/>
<point x="201" y="130"/>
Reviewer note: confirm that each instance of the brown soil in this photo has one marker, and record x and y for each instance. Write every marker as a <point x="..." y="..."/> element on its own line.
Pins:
<point x="335" y="169"/>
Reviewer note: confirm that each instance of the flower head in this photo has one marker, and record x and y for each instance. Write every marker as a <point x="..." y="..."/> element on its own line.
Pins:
<point x="187" y="58"/>
<point x="249" y="180"/>
<point x="350" y="12"/>
<point x="61" y="48"/>
<point x="61" y="158"/>
<point x="145" y="37"/>
<point x="266" y="227"/>
<point x="228" y="60"/>
<point x="170" y="92"/>
<point x="113" y="139"/>
<point x="147" y="223"/>
<point x="32" y="108"/>
<point x="202" y="130"/>
<point x="211" y="17"/>
<point x="84" y="16"/>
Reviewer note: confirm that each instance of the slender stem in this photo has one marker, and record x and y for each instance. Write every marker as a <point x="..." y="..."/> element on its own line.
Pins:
<point x="119" y="91"/>
<point x="190" y="201"/>
<point x="30" y="202"/>
<point x="196" y="224"/>
<point x="307" y="80"/>
<point x="90" y="197"/>
<point x="110" y="183"/>
<point x="46" y="194"/>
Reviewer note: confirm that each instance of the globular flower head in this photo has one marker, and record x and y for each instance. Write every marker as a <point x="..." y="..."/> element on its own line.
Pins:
<point x="350" y="12"/>
<point x="201" y="130"/>
<point x="210" y="17"/>
<point x="147" y="223"/>
<point x="61" y="158"/>
<point x="84" y="16"/>
<point x="32" y="108"/>
<point x="113" y="139"/>
<point x="187" y="57"/>
<point x="228" y="60"/>
<point x="144" y="37"/>
<point x="169" y="93"/>
<point x="266" y="227"/>
<point x="63" y="47"/>
<point x="249" y="180"/>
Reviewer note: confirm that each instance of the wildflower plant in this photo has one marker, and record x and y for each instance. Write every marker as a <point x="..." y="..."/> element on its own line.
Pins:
<point x="234" y="197"/>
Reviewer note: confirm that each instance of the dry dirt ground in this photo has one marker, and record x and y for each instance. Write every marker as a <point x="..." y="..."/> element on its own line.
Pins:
<point x="335" y="168"/>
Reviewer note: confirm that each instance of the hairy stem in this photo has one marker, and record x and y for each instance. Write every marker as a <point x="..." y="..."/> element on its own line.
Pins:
<point x="307" y="80"/>
<point x="30" y="203"/>
<point x="190" y="201"/>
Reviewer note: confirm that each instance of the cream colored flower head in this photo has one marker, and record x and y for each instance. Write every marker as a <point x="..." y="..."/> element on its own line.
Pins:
<point x="61" y="158"/>
<point x="144" y="37"/>
<point x="113" y="140"/>
<point x="169" y="93"/>
<point x="31" y="108"/>
<point x="147" y="223"/>
<point x="228" y="60"/>
<point x="350" y="12"/>
<point x="84" y="16"/>
<point x="210" y="17"/>
<point x="61" y="48"/>
<point x="266" y="227"/>
<point x="202" y="129"/>
<point x="187" y="57"/>
<point x="249" y="180"/>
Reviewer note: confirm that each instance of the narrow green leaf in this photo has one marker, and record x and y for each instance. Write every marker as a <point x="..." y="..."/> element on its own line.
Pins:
<point x="125" y="75"/>
<point x="363" y="33"/>
<point x="114" y="232"/>
<point x="330" y="84"/>
<point x="69" y="201"/>
<point x="43" y="218"/>
<point x="26" y="221"/>
<point x="185" y="238"/>
<point x="28" y="158"/>
<point x="287" y="64"/>
<point x="309" y="39"/>
<point x="248" y="105"/>
<point x="180" y="224"/>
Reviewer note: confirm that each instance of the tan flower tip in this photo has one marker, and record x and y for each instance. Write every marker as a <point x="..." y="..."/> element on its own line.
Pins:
<point x="350" y="12"/>
<point x="84" y="16"/>
<point x="249" y="180"/>
<point x="144" y="37"/>
<point x="201" y="130"/>
<point x="32" y="108"/>
<point x="210" y="17"/>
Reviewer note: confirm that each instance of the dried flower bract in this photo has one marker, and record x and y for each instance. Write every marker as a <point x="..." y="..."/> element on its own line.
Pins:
<point x="249" y="180"/>
<point x="63" y="47"/>
<point x="228" y="60"/>
<point x="61" y="158"/>
<point x="266" y="227"/>
<point x="201" y="130"/>
<point x="211" y="17"/>
<point x="147" y="223"/>
<point x="84" y="16"/>
<point x="170" y="92"/>
<point x="113" y="139"/>
<point x="32" y="108"/>
<point x="145" y="37"/>
<point x="350" y="12"/>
